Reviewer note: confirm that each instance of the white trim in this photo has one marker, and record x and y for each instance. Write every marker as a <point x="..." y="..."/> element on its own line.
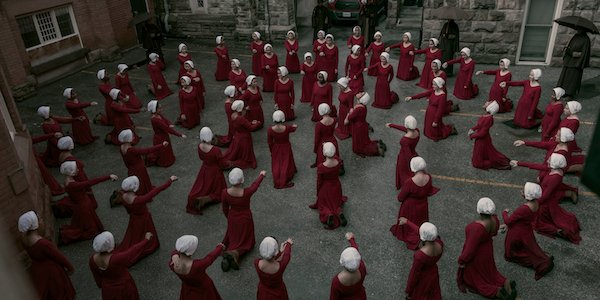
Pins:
<point x="551" y="39"/>
<point x="59" y="36"/>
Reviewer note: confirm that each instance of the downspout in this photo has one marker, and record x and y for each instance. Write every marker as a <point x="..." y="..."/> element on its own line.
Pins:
<point x="268" y="20"/>
<point x="166" y="20"/>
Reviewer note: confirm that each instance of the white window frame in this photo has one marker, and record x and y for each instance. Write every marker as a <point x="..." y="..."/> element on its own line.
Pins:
<point x="551" y="40"/>
<point x="55" y="24"/>
<point x="196" y="8"/>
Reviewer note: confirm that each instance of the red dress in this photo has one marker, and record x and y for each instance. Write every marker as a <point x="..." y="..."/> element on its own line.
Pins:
<point x="408" y="150"/>
<point x="116" y="281"/>
<point x="498" y="93"/>
<point x="225" y="140"/>
<point x="321" y="94"/>
<point x="527" y="111"/>
<point x="485" y="155"/>
<point x="407" y="70"/>
<point x="48" y="271"/>
<point x="361" y="142"/>
<point x="436" y="108"/>
<point x="330" y="62"/>
<point x="319" y="47"/>
<point x="346" y="99"/>
<point x="85" y="224"/>
<point x="551" y="216"/>
<point x="241" y="150"/>
<point x="162" y="128"/>
<point x="189" y="105"/>
<point x="122" y="83"/>
<point x="223" y="63"/>
<point x="480" y="274"/>
<point x="82" y="133"/>
<point x="197" y="284"/>
<point x="292" y="63"/>
<point x="182" y="59"/>
<point x="271" y="286"/>
<point x="329" y="193"/>
<point x="257" y="57"/>
<point x="104" y="89"/>
<point x="426" y="74"/>
<point x="282" y="157"/>
<point x="140" y="222"/>
<point x="308" y="81"/>
<point x="122" y="121"/>
<point x="463" y="86"/>
<point x="285" y="98"/>
<point x="415" y="208"/>
<point x="375" y="60"/>
<point x="238" y="80"/>
<point x="81" y="176"/>
<point x="55" y="188"/>
<point x="551" y="120"/>
<point x="155" y="71"/>
<point x="354" y="71"/>
<point x="254" y="102"/>
<point x="136" y="166"/>
<point x="352" y="40"/>
<point x="383" y="93"/>
<point x="52" y="153"/>
<point x="350" y="292"/>
<point x="210" y="180"/>
<point x="424" y="280"/>
<point x="573" y="124"/>
<point x="240" y="225"/>
<point x="323" y="134"/>
<point x="198" y="84"/>
<point x="269" y="75"/>
<point x="520" y="244"/>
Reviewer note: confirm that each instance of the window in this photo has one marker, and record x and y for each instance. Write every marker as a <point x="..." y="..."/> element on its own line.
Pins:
<point x="47" y="27"/>
<point x="538" y="31"/>
<point x="199" y="6"/>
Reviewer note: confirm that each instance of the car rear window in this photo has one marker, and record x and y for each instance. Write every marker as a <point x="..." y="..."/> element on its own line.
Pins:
<point x="347" y="5"/>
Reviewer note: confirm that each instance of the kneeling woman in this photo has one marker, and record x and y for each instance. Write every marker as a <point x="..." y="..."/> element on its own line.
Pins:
<point x="362" y="144"/>
<point x="329" y="190"/>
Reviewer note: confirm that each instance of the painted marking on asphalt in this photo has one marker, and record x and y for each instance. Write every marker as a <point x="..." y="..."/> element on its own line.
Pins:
<point x="143" y="128"/>
<point x="501" y="117"/>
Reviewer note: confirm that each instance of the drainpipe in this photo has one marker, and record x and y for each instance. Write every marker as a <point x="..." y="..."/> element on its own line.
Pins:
<point x="268" y="20"/>
<point x="166" y="20"/>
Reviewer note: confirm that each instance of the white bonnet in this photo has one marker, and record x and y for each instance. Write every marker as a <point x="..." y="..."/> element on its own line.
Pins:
<point x="114" y="93"/>
<point x="122" y="67"/>
<point x="378" y="33"/>
<point x="435" y="41"/>
<point x="356" y="28"/>
<point x="126" y="136"/>
<point x="428" y="232"/>
<point x="364" y="99"/>
<point x="492" y="108"/>
<point x="206" y="135"/>
<point x="268" y="248"/>
<point x="101" y="74"/>
<point x="278" y="116"/>
<point x="350" y="259"/>
<point x="181" y="46"/>
<point x="532" y="191"/>
<point x="355" y="49"/>
<point x="321" y="32"/>
<point x="328" y="149"/>
<point x="236" y="62"/>
<point x="486" y="206"/>
<point x="229" y="91"/>
<point x="68" y="168"/>
<point x="439" y="82"/>
<point x="343" y="81"/>
<point x="417" y="164"/>
<point x="559" y="92"/>
<point x="236" y="176"/>
<point x="257" y="34"/>
<point x="44" y="112"/>
<point x="28" y="221"/>
<point x="219" y="39"/>
<point x="506" y="62"/>
<point x="408" y="35"/>
<point x="385" y="55"/>
<point x="437" y="62"/>
<point x="190" y="63"/>
<point x="324" y="75"/>
<point x="566" y="135"/>
<point x="557" y="161"/>
<point x="187" y="244"/>
<point x="466" y="51"/>
<point x="153" y="57"/>
<point x="249" y="79"/>
<point x="67" y="92"/>
<point x="186" y="79"/>
<point x="324" y="109"/>
<point x="292" y="32"/>
<point x="284" y="71"/>
<point x="65" y="143"/>
<point x="152" y="106"/>
<point x="307" y="55"/>
<point x="267" y="45"/>
<point x="329" y="35"/>
<point x="410" y="122"/>
<point x="130" y="184"/>
<point x="104" y="242"/>
<point x="237" y="105"/>
<point x="574" y="107"/>
<point x="537" y="73"/>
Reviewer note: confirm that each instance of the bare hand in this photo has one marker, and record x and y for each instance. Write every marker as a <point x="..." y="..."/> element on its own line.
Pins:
<point x="184" y="136"/>
<point x="407" y="99"/>
<point x="365" y="69"/>
<point x="289" y="241"/>
<point x="411" y="53"/>
<point x="183" y="117"/>
<point x="478" y="72"/>
<point x="165" y="143"/>
<point x="148" y="235"/>
<point x="267" y="67"/>
<point x="173" y="178"/>
<point x="349" y="235"/>
<point x="94" y="103"/>
<point x="254" y="122"/>
<point x="402" y="221"/>
<point x="444" y="65"/>
<point x="159" y="87"/>
<point x="58" y="135"/>
<point x="321" y="53"/>
<point x="113" y="177"/>
<point x="434" y="125"/>
<point x="263" y="173"/>
<point x="388" y="125"/>
<point x="503" y="228"/>
<point x="222" y="245"/>
<point x="506" y="210"/>
<point x="519" y="143"/>
<point x="387" y="49"/>
<point x="514" y="163"/>
<point x="254" y="51"/>
<point x="503" y="84"/>
<point x="302" y="72"/>
<point x="81" y="118"/>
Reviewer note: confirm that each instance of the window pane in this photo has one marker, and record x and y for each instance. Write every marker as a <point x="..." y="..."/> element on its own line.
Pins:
<point x="63" y="18"/>
<point x="535" y="43"/>
<point x="541" y="12"/>
<point x="28" y="32"/>
<point x="46" y="26"/>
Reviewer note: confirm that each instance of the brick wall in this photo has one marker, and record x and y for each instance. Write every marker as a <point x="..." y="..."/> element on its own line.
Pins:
<point x="120" y="15"/>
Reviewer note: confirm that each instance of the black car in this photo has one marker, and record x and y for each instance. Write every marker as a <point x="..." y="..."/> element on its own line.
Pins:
<point x="349" y="10"/>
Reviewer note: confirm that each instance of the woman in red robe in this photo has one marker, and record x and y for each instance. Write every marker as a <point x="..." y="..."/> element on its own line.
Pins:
<point x="122" y="82"/>
<point x="362" y="145"/>
<point x="477" y="270"/>
<point x="50" y="269"/>
<point x="82" y="133"/>
<point x="330" y="198"/>
<point x="282" y="156"/>
<point x="121" y="117"/>
<point x="435" y="128"/>
<point x="356" y="39"/>
<point x="431" y="54"/>
<point x="189" y="104"/>
<point x="132" y="157"/>
<point x="324" y="132"/>
<point x="270" y="268"/>
<point x="223" y="62"/>
<point x="309" y="77"/>
<point x="527" y="113"/>
<point x="269" y="64"/>
<point x="196" y="81"/>
<point x="348" y="284"/>
<point x="407" y="70"/>
<point x="257" y="48"/>
<point x="415" y="206"/>
<point x="497" y="92"/>
<point x="520" y="245"/>
<point x="346" y="98"/>
<point x="195" y="283"/>
<point x="253" y="100"/>
<point x="104" y="89"/>
<point x="571" y="121"/>
<point x="408" y="148"/>
<point x="485" y="156"/>
<point x="140" y="219"/>
<point x="551" y="119"/>
<point x="284" y="97"/>
<point x="355" y="64"/>
<point x="225" y="140"/>
<point x="182" y="57"/>
<point x="375" y="48"/>
<point x="463" y="87"/>
<point x="110" y="269"/>
<point x="318" y="48"/>
<point x="159" y="88"/>
<point x="241" y="150"/>
<point x="51" y="125"/>
<point x="65" y="145"/>
<point x="210" y="180"/>
<point x="162" y="129"/>
<point x="384" y="96"/>
<point x="291" y="47"/>
<point x="330" y="58"/>
<point x="237" y="77"/>
<point x="239" y="237"/>
<point x="55" y="188"/>
<point x="322" y="93"/>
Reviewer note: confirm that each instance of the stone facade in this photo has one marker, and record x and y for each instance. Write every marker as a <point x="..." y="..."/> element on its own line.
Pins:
<point x="493" y="27"/>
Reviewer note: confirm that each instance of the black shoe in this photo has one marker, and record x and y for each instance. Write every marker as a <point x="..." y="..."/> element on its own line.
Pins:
<point x="329" y="223"/>
<point x="113" y="199"/>
<point x="343" y="220"/>
<point x="383" y="145"/>
<point x="225" y="265"/>
<point x="342" y="171"/>
<point x="453" y="132"/>
<point x="371" y="128"/>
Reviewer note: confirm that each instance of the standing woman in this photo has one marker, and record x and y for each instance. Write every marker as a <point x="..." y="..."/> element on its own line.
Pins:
<point x="551" y="119"/>
<point x="122" y="119"/>
<point x="237" y="77"/>
<point x="362" y="145"/>
<point x="376" y="48"/>
<point x="132" y="157"/>
<point x="82" y="133"/>
<point x="284" y="97"/>
<point x="162" y="129"/>
<point x="291" y="46"/>
<point x="50" y="269"/>
<point x="497" y="92"/>
<point x="520" y="245"/>
<point x="122" y="82"/>
<point x="330" y="198"/>
<point x="384" y="97"/>
<point x="318" y="48"/>
<point x="408" y="149"/>
<point x="110" y="269"/>
<point x="348" y="284"/>
<point x="195" y="283"/>
<point x="463" y="87"/>
<point x="159" y="87"/>
<point x="51" y="125"/>
<point x="239" y="237"/>
<point x="485" y="156"/>
<point x="270" y="268"/>
<point x="196" y="81"/>
<point x="104" y="89"/>
<point x="253" y="99"/>
<point x="269" y="68"/>
<point x="346" y="98"/>
<point x="356" y="39"/>
<point x="527" y="113"/>
<point x="322" y="93"/>
<point x="257" y="48"/>
<point x="309" y="77"/>
<point x="407" y="70"/>
<point x="330" y="58"/>
<point x="571" y="121"/>
<point x="210" y="180"/>
<point x="182" y="57"/>
<point x="324" y="132"/>
<point x="431" y="53"/>
<point x="225" y="140"/>
<point x="282" y="157"/>
<point x="189" y="104"/>
<point x="355" y="64"/>
<point x="241" y="150"/>
<point x="223" y="62"/>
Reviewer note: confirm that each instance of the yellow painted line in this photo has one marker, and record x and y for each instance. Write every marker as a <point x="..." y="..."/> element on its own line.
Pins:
<point x="501" y="117"/>
<point x="142" y="128"/>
